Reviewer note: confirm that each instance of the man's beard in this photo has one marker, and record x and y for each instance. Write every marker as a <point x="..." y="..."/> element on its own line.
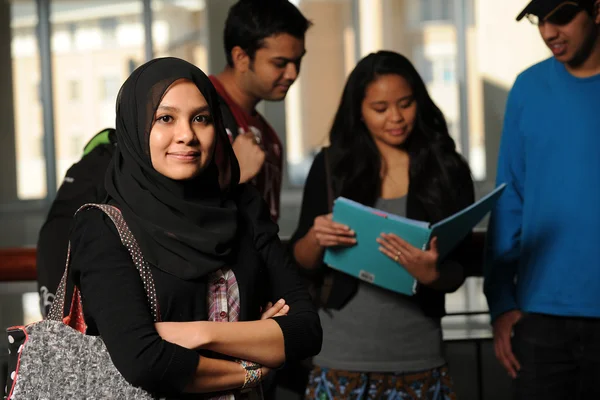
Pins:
<point x="585" y="52"/>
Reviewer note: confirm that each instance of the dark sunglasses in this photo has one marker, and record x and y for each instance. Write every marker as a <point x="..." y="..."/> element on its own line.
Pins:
<point x="561" y="15"/>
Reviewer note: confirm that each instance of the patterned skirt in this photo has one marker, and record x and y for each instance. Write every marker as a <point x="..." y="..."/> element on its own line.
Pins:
<point x="329" y="384"/>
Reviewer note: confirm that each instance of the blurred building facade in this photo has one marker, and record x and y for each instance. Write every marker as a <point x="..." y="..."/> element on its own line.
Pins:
<point x="468" y="52"/>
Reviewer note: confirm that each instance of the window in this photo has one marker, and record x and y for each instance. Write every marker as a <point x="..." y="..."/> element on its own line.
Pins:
<point x="72" y="29"/>
<point x="452" y="128"/>
<point x="179" y="30"/>
<point x="131" y="65"/>
<point x="37" y="147"/>
<point x="74" y="90"/>
<point x="444" y="70"/>
<point x="85" y="104"/>
<point x="109" y="88"/>
<point x="313" y="99"/>
<point x="446" y="10"/>
<point x="108" y="27"/>
<point x="437" y="10"/>
<point x="37" y="92"/>
<point x="492" y="66"/>
<point x="29" y="168"/>
<point x="77" y="145"/>
<point x="423" y="65"/>
<point x="448" y="72"/>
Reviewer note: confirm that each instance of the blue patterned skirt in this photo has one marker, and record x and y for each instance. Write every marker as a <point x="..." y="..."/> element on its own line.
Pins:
<point x="329" y="384"/>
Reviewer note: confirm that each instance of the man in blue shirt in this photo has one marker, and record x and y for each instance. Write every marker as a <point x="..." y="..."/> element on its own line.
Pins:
<point x="542" y="272"/>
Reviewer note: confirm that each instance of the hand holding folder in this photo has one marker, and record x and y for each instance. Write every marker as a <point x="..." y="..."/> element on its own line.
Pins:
<point x="366" y="262"/>
<point x="421" y="264"/>
<point x="329" y="233"/>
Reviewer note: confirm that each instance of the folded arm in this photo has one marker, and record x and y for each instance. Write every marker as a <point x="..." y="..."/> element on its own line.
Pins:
<point x="115" y="303"/>
<point x="269" y="342"/>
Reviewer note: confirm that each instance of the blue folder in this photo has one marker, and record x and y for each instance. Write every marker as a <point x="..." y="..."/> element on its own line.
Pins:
<point x="366" y="262"/>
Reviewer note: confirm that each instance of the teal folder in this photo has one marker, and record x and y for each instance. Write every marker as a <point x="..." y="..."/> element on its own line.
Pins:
<point x="366" y="262"/>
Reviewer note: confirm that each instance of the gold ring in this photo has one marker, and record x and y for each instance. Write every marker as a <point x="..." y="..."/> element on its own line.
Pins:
<point x="397" y="256"/>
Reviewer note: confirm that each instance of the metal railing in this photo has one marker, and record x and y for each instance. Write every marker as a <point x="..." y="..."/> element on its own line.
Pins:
<point x="17" y="264"/>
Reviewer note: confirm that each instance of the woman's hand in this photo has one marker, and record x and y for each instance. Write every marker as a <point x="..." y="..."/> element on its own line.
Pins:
<point x="329" y="234"/>
<point x="278" y="309"/>
<point x="422" y="264"/>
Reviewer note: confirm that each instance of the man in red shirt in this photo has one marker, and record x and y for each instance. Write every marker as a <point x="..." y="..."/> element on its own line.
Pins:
<point x="264" y="45"/>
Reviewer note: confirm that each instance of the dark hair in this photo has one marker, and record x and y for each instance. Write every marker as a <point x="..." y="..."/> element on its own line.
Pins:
<point x="249" y="22"/>
<point x="435" y="166"/>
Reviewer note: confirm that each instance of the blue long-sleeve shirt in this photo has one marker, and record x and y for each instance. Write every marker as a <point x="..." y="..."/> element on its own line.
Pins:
<point x="543" y="247"/>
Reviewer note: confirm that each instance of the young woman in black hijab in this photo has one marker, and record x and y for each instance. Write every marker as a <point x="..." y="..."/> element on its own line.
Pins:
<point x="213" y="251"/>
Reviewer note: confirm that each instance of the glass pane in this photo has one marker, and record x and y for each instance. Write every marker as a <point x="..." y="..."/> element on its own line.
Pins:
<point x="29" y="128"/>
<point x="494" y="61"/>
<point x="95" y="46"/>
<point x="19" y="304"/>
<point x="436" y="10"/>
<point x="312" y="101"/>
<point x="31" y="308"/>
<point x="179" y="30"/>
<point x="432" y="45"/>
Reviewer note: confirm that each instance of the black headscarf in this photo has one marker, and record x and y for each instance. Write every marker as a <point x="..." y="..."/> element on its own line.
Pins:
<point x="185" y="228"/>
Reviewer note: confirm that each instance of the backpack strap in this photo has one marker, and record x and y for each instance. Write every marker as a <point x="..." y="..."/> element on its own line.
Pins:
<point x="75" y="317"/>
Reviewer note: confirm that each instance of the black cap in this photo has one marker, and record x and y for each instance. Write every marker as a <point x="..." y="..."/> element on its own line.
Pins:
<point x="541" y="8"/>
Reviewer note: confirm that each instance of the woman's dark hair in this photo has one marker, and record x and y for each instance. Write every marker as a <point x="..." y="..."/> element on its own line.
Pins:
<point x="356" y="162"/>
<point x="250" y="22"/>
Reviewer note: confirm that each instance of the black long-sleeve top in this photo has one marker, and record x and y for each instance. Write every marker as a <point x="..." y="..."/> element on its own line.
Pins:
<point x="315" y="202"/>
<point x="116" y="308"/>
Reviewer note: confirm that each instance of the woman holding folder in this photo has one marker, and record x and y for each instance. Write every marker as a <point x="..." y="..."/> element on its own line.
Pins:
<point x="389" y="149"/>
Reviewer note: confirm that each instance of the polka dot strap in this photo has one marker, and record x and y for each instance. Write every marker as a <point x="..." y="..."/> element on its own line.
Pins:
<point x="57" y="308"/>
